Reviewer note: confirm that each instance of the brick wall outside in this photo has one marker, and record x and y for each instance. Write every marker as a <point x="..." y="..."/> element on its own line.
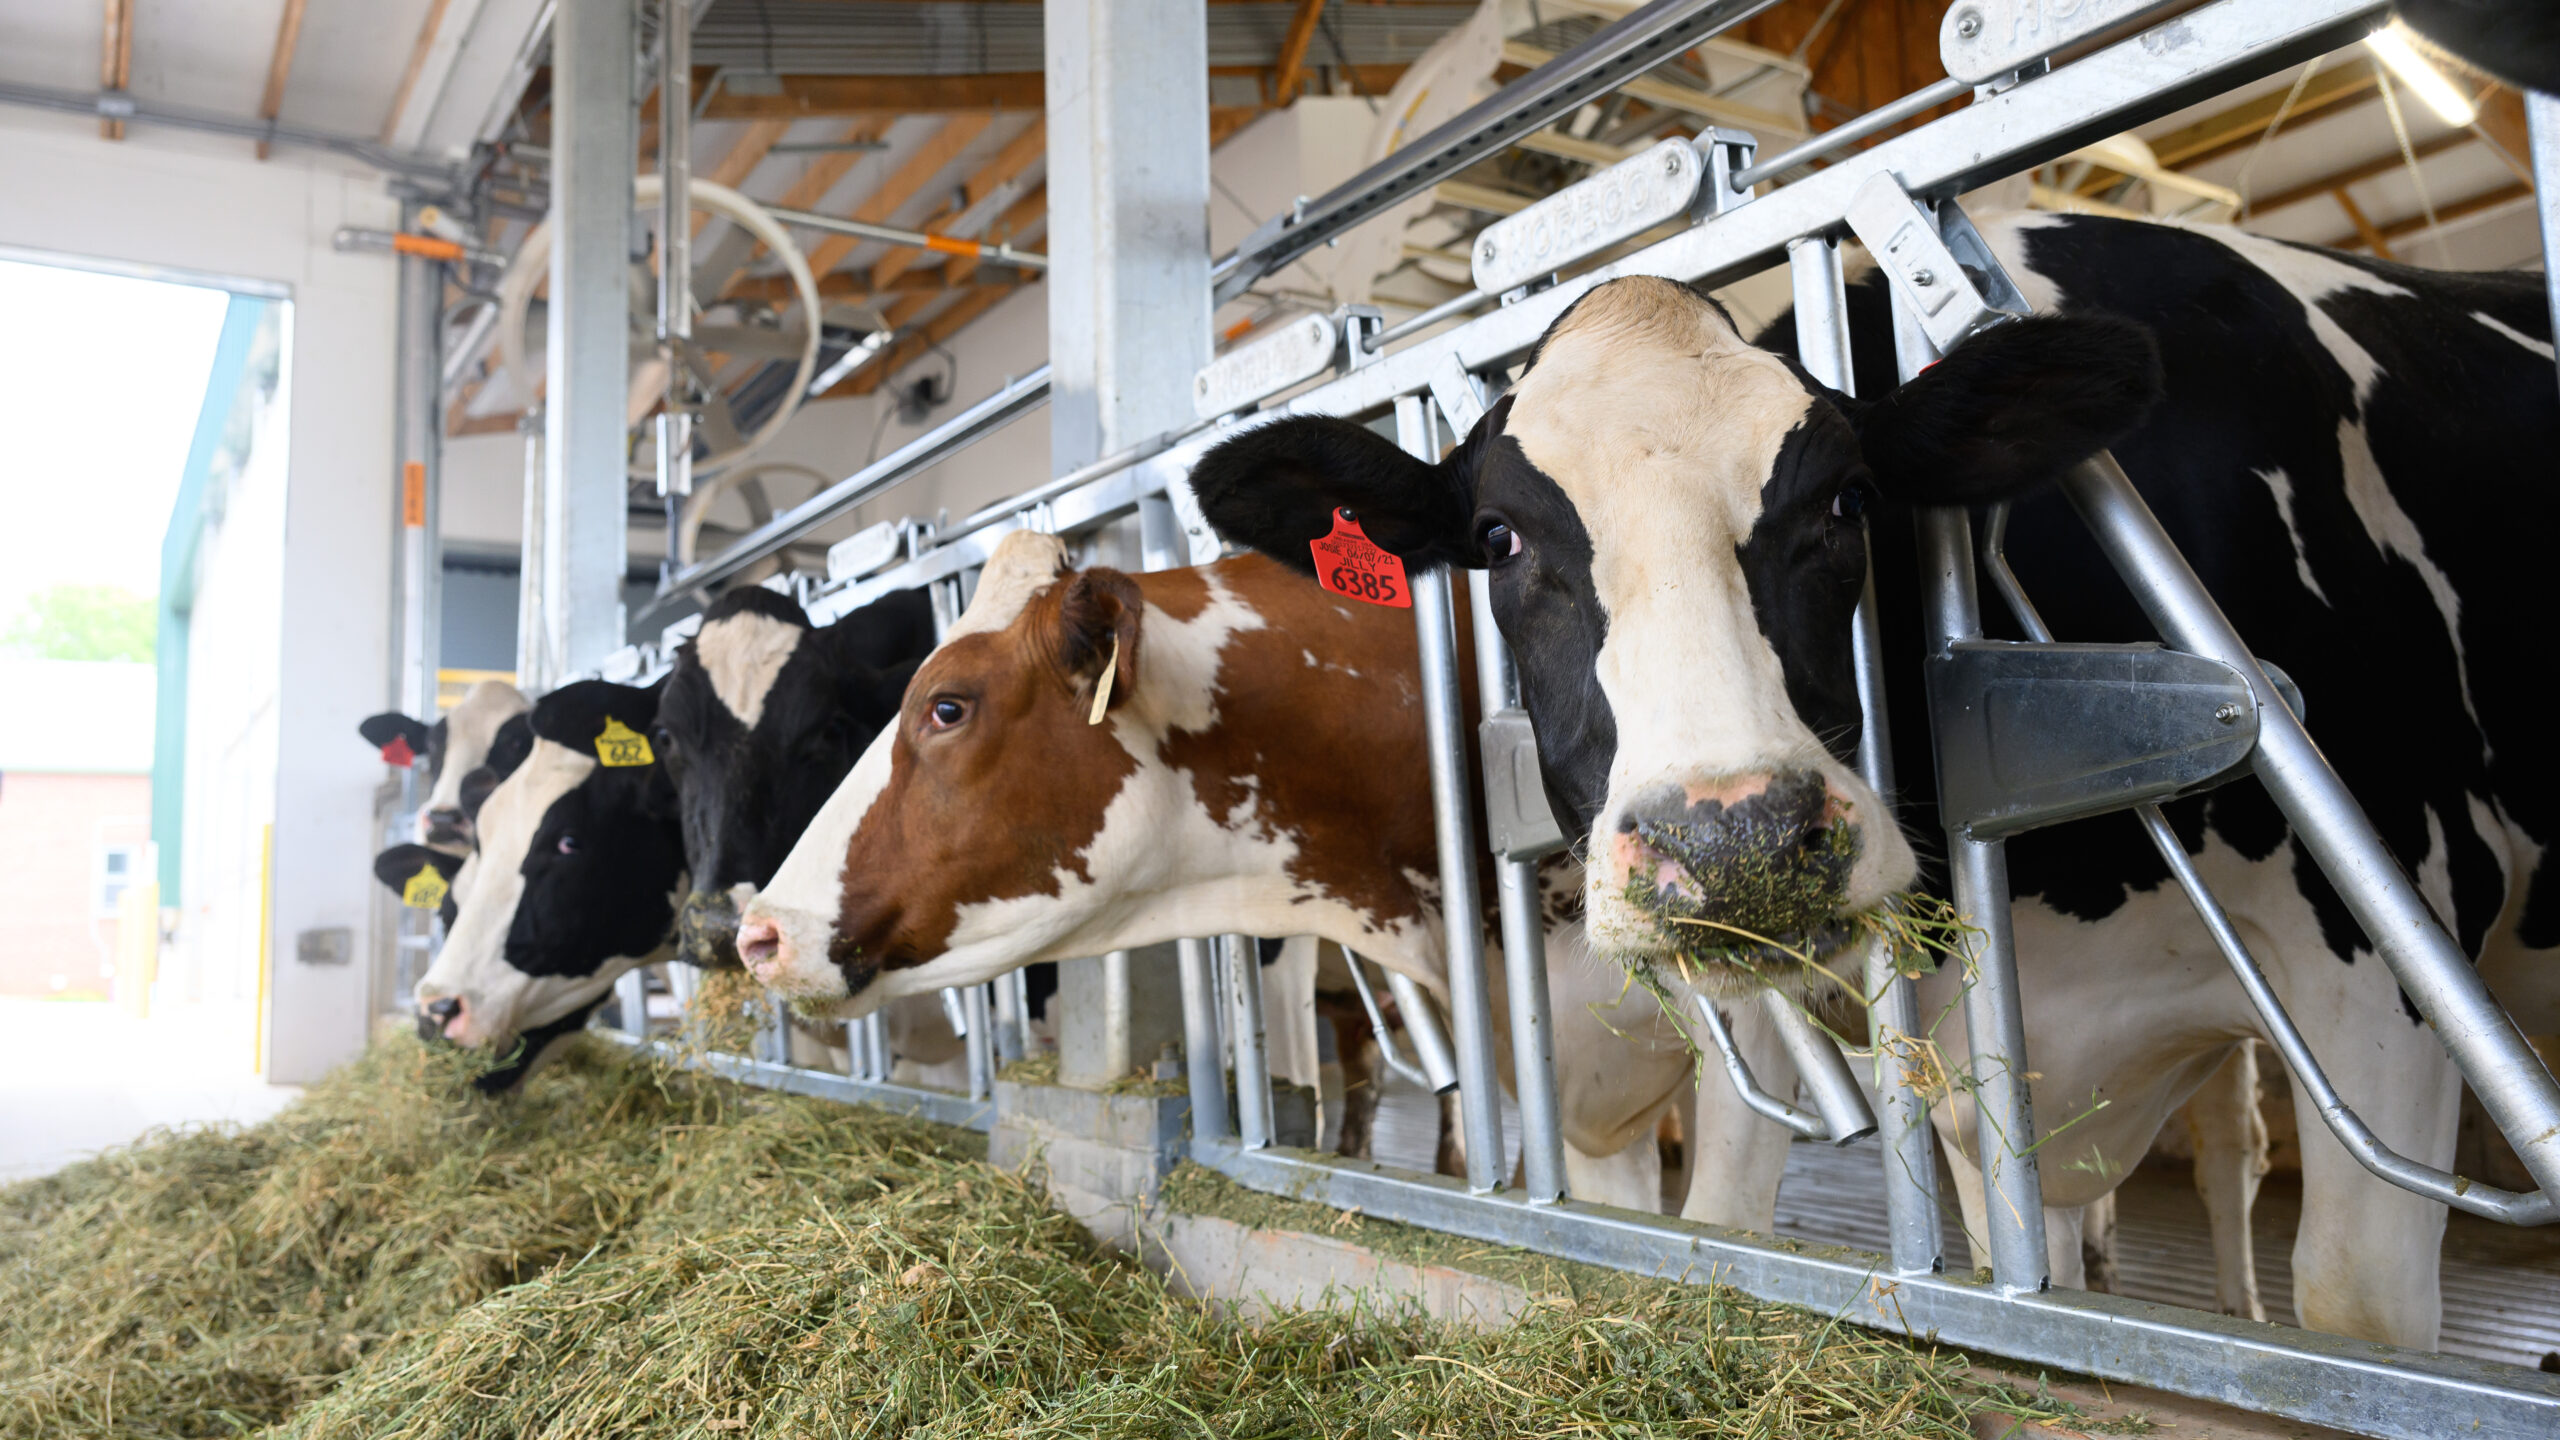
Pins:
<point x="52" y="938"/>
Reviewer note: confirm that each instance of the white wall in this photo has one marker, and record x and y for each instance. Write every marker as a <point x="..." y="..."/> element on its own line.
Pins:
<point x="161" y="198"/>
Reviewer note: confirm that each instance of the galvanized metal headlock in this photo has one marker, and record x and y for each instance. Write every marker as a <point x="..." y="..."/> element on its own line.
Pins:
<point x="1939" y="264"/>
<point x="1980" y="41"/>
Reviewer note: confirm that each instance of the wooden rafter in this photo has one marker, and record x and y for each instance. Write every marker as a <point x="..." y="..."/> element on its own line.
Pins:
<point x="2502" y="124"/>
<point x="821" y="176"/>
<point x="810" y="95"/>
<point x="847" y="285"/>
<point x="928" y="161"/>
<point x="115" y="59"/>
<point x="1007" y="166"/>
<point x="2373" y="239"/>
<point x="1293" y="50"/>
<point x="2486" y="200"/>
<point x="2241" y="125"/>
<point x="733" y="168"/>
<point x="408" y="78"/>
<point x="2365" y="170"/>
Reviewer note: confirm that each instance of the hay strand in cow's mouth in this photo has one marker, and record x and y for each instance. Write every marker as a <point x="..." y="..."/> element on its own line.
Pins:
<point x="621" y="1249"/>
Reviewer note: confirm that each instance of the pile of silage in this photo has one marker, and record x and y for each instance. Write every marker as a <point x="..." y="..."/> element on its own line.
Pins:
<point x="210" y="1282"/>
<point x="625" y="1252"/>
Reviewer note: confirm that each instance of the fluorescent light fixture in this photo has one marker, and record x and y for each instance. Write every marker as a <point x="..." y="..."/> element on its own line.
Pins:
<point x="850" y="361"/>
<point x="2419" y="74"/>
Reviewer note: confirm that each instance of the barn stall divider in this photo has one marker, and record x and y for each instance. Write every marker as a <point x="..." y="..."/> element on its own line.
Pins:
<point x="1685" y="210"/>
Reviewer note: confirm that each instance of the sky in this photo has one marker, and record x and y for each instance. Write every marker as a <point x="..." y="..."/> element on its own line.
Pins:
<point x="98" y="398"/>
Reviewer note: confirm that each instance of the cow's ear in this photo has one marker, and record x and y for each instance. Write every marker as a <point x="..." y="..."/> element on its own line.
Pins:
<point x="1094" y="642"/>
<point x="398" y="867"/>
<point x="593" y="712"/>
<point x="1276" y="488"/>
<point x="390" y="729"/>
<point x="896" y="627"/>
<point x="2010" y="409"/>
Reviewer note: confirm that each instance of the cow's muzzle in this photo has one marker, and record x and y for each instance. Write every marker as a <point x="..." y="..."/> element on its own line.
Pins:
<point x="437" y="1019"/>
<point x="1751" y="870"/>
<point x="707" y="930"/>
<point x="447" y="825"/>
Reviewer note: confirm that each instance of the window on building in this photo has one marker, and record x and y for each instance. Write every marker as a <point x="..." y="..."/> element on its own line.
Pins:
<point x="117" y="867"/>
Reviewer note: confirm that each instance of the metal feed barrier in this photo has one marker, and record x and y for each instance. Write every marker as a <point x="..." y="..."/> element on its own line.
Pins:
<point x="1897" y="199"/>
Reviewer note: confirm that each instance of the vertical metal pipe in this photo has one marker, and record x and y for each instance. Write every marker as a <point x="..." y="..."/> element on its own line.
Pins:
<point x="1893" y="1009"/>
<point x="1524" y="943"/>
<point x="1008" y="1026"/>
<point x="1470" y="1009"/>
<point x="1203" y="1061"/>
<point x="1253" y="1073"/>
<point x="981" y="1043"/>
<point x="675" y="242"/>
<point x="533" y="635"/>
<point x="2542" y="117"/>
<point x="631" y="991"/>
<point x="1978" y="874"/>
<point x="875" y="1031"/>
<point x="1016" y="984"/>
<point x="2510" y="1079"/>
<point x="418" y="408"/>
<point x="588" y="364"/>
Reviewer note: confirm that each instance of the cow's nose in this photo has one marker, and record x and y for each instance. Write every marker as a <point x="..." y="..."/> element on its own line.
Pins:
<point x="440" y="1019"/>
<point x="447" y="823"/>
<point x="760" y="946"/>
<point x="707" y="930"/>
<point x="1742" y="842"/>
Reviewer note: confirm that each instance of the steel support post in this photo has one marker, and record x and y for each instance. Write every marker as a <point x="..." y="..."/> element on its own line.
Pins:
<point x="588" y="364"/>
<point x="2510" y="1079"/>
<point x="1893" y="1008"/>
<point x="1978" y="873"/>
<point x="875" y="1031"/>
<point x="981" y="1042"/>
<point x="1203" y="1059"/>
<point x="1012" y="1027"/>
<point x="632" y="991"/>
<point x="419" y="408"/>
<point x="1524" y="941"/>
<point x="1470" y="1008"/>
<point x="1253" y="1070"/>
<point x="533" y="635"/>
<point x="2542" y="117"/>
<point x="675" y="242"/>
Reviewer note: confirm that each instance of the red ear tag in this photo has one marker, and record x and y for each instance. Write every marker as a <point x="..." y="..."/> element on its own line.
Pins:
<point x="1350" y="563"/>
<point x="398" y="753"/>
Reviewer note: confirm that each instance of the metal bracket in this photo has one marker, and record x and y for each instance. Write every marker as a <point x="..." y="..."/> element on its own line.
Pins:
<point x="1728" y="153"/>
<point x="1840" y="1112"/>
<point x="1520" y="823"/>
<point x="1361" y="325"/>
<point x="1459" y="394"/>
<point x="1939" y="264"/>
<point x="1982" y="40"/>
<point x="1290" y="355"/>
<point x="2032" y="734"/>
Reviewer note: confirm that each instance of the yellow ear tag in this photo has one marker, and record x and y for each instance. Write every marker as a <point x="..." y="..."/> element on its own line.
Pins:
<point x="1102" y="688"/>
<point x="622" y="745"/>
<point x="426" y="889"/>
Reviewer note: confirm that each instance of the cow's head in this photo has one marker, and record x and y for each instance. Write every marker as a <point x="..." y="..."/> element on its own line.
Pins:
<point x="1052" y="785"/>
<point x="400" y="867"/>
<point x="449" y="751"/>
<point x="574" y="881"/>
<point x="1671" y="521"/>
<point x="759" y="722"/>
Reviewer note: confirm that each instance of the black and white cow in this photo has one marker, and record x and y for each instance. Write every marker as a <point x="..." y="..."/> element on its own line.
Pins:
<point x="450" y="750"/>
<point x="2355" y="455"/>
<point x="577" y="867"/>
<point x="761" y="718"/>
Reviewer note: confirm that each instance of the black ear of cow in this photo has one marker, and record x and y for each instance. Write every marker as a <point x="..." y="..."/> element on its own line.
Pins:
<point x="379" y="731"/>
<point x="2011" y="409"/>
<point x="397" y="866"/>
<point x="577" y="715"/>
<point x="1276" y="487"/>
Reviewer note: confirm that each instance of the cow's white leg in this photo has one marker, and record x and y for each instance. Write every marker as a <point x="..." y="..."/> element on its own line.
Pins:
<point x="2063" y="1225"/>
<point x="2230" y="1139"/>
<point x="1630" y="1179"/>
<point x="2367" y="1260"/>
<point x="1736" y="1158"/>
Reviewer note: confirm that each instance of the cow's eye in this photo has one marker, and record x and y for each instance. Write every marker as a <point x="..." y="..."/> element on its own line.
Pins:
<point x="1850" y="502"/>
<point x="946" y="712"/>
<point x="1496" y="540"/>
<point x="568" y="845"/>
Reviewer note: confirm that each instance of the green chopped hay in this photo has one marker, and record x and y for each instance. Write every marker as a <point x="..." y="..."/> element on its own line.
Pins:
<point x="625" y="1251"/>
<point x="1042" y="1069"/>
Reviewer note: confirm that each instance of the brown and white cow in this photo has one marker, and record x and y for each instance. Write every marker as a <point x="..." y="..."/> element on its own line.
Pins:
<point x="1096" y="760"/>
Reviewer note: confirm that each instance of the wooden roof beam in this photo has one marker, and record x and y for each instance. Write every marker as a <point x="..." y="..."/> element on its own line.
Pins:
<point x="876" y="208"/>
<point x="940" y="328"/>
<point x="115" y="59"/>
<point x="2331" y="88"/>
<point x="1293" y="50"/>
<point x="408" y="78"/>
<point x="2415" y="224"/>
<point x="2366" y="170"/>
<point x="811" y="95"/>
<point x="1007" y="166"/>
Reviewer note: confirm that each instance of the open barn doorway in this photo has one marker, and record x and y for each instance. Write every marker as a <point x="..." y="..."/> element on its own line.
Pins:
<point x="139" y="611"/>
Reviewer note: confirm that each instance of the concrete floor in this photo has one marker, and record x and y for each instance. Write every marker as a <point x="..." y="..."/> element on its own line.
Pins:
<point x="79" y="1077"/>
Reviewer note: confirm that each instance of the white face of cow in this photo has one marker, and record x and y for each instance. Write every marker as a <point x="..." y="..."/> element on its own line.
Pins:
<point x="573" y="882"/>
<point x="1670" y="519"/>
<point x="463" y="738"/>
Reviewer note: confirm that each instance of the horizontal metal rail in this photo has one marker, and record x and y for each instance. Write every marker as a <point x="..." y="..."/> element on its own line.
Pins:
<point x="938" y="1106"/>
<point x="122" y="105"/>
<point x="1617" y="54"/>
<point x="2299" y="1374"/>
<point x="892" y="235"/>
